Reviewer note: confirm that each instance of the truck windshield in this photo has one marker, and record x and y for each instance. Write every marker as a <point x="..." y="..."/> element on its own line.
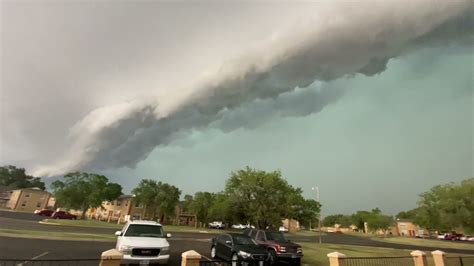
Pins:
<point x="143" y="230"/>
<point x="243" y="240"/>
<point x="275" y="236"/>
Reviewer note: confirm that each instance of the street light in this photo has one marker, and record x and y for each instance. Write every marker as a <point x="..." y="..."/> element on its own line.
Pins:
<point x="319" y="218"/>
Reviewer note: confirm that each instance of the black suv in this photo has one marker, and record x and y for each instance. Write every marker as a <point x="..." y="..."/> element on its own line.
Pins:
<point x="237" y="247"/>
<point x="279" y="248"/>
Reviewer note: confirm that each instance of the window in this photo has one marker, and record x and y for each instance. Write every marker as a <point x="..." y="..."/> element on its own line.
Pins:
<point x="277" y="236"/>
<point x="23" y="204"/>
<point x="144" y="230"/>
<point x="260" y="236"/>
<point x="38" y="204"/>
<point x="137" y="205"/>
<point x="119" y="203"/>
<point x="108" y="203"/>
<point x="253" y="233"/>
<point x="27" y="195"/>
<point x="243" y="240"/>
<point x="224" y="238"/>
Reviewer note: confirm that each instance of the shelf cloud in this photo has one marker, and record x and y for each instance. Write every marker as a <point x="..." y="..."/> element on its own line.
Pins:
<point x="295" y="73"/>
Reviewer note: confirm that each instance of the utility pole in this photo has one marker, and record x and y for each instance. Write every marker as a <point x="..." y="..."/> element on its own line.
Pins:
<point x="319" y="218"/>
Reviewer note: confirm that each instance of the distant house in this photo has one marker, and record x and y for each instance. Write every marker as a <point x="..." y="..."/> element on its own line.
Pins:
<point x="184" y="218"/>
<point x="122" y="209"/>
<point x="28" y="199"/>
<point x="291" y="224"/>
<point x="405" y="227"/>
<point x="4" y="196"/>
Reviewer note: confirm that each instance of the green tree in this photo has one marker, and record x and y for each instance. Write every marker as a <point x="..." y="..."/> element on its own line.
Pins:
<point x="186" y="204"/>
<point x="158" y="197"/>
<point x="306" y="211"/>
<point x="447" y="207"/>
<point x="379" y="221"/>
<point x="220" y="210"/>
<point x="82" y="191"/>
<point x="264" y="198"/>
<point x="201" y="204"/>
<point x="14" y="178"/>
<point x="411" y="214"/>
<point x="375" y="219"/>
<point x="360" y="217"/>
<point x="344" y="220"/>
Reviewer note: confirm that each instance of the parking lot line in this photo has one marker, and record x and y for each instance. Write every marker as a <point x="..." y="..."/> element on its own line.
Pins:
<point x="34" y="258"/>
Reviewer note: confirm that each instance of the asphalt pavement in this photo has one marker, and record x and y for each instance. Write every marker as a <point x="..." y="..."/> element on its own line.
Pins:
<point x="26" y="248"/>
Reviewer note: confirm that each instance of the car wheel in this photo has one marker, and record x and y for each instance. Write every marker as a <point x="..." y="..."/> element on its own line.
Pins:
<point x="235" y="260"/>
<point x="213" y="252"/>
<point x="273" y="257"/>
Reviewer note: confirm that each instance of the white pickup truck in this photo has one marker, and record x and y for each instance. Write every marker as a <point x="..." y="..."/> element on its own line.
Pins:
<point x="216" y="225"/>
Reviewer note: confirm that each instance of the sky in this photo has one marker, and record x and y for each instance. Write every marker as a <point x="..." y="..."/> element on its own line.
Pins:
<point x="370" y="101"/>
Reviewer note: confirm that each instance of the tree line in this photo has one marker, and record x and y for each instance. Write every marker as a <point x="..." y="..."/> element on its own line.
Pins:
<point x="375" y="220"/>
<point x="445" y="207"/>
<point x="253" y="196"/>
<point x="12" y="177"/>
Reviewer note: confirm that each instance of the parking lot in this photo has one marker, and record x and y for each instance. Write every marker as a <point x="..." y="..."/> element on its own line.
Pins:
<point x="28" y="248"/>
<point x="21" y="248"/>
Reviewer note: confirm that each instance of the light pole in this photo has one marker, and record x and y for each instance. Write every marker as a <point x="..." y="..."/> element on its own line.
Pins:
<point x="319" y="218"/>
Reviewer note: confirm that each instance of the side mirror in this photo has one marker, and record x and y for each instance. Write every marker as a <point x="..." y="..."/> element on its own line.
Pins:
<point x="228" y="242"/>
<point x="168" y="235"/>
<point x="118" y="233"/>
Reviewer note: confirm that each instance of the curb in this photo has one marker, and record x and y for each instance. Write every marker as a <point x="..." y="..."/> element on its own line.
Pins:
<point x="50" y="223"/>
<point x="55" y="238"/>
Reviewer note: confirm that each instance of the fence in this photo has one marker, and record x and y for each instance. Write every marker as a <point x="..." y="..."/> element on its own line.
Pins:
<point x="232" y="263"/>
<point x="39" y="262"/>
<point x="378" y="261"/>
<point x="459" y="261"/>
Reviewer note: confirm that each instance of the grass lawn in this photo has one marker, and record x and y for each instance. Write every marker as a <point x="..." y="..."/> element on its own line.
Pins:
<point x="306" y="233"/>
<point x="102" y="224"/>
<point x="426" y="242"/>
<point x="416" y="241"/>
<point x="84" y="223"/>
<point x="56" y="235"/>
<point x="316" y="254"/>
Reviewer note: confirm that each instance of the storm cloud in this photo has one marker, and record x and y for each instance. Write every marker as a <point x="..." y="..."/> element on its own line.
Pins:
<point x="296" y="73"/>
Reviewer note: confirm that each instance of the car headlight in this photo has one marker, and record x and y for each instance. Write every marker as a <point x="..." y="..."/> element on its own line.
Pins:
<point x="244" y="254"/>
<point x="281" y="249"/>
<point x="299" y="250"/>
<point x="164" y="250"/>
<point x="125" y="249"/>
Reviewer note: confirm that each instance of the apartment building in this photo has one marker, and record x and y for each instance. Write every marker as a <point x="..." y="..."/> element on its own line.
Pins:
<point x="120" y="210"/>
<point x="28" y="199"/>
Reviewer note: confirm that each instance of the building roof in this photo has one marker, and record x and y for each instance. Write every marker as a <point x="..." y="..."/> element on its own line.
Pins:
<point x="125" y="196"/>
<point x="32" y="189"/>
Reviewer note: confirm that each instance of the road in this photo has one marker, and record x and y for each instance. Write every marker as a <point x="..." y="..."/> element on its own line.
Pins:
<point x="25" y="248"/>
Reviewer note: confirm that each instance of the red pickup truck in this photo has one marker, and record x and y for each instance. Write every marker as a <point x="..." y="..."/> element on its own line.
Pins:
<point x="63" y="215"/>
<point x="279" y="248"/>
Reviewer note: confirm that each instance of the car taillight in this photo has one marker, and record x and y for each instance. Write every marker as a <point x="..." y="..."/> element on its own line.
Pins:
<point x="299" y="250"/>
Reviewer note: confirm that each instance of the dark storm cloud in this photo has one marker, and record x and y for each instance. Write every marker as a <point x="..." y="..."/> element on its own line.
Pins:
<point x="124" y="134"/>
